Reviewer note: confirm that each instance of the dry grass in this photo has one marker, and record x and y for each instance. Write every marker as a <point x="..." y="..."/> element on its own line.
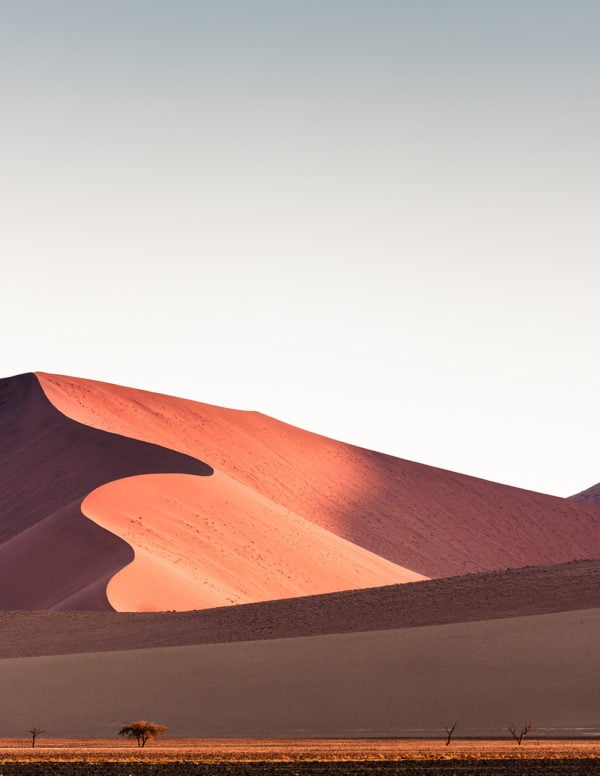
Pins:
<point x="293" y="750"/>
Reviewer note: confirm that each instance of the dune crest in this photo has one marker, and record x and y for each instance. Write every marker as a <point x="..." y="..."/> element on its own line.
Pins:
<point x="435" y="522"/>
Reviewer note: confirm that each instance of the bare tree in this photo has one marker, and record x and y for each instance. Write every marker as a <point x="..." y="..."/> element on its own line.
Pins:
<point x="142" y="731"/>
<point x="449" y="732"/>
<point x="34" y="732"/>
<point x="520" y="735"/>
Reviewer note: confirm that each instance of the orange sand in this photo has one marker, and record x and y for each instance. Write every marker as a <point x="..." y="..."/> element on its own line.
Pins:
<point x="434" y="522"/>
<point x="211" y="541"/>
<point x="349" y="750"/>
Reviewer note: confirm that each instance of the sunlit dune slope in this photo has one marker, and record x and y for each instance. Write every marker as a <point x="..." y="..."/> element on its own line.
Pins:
<point x="210" y="541"/>
<point x="433" y="522"/>
<point x="182" y="545"/>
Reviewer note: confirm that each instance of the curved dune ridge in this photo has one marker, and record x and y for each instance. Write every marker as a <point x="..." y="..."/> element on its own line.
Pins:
<point x="51" y="556"/>
<point x="434" y="522"/>
<point x="284" y="513"/>
<point x="180" y="545"/>
<point x="202" y="542"/>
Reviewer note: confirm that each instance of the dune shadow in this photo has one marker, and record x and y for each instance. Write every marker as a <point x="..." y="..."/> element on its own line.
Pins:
<point x="442" y="523"/>
<point x="51" y="554"/>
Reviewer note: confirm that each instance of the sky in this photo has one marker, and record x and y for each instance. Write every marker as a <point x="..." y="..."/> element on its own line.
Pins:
<point x="374" y="219"/>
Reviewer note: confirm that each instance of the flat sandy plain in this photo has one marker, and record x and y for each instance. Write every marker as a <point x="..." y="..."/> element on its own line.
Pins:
<point x="235" y="757"/>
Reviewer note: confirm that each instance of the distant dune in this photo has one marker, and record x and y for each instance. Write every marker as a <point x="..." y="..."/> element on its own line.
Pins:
<point x="589" y="495"/>
<point x="321" y="589"/>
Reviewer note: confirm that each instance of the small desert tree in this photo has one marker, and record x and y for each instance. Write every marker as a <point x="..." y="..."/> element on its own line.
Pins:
<point x="34" y="732"/>
<point x="449" y="732"/>
<point x="142" y="731"/>
<point x="519" y="735"/>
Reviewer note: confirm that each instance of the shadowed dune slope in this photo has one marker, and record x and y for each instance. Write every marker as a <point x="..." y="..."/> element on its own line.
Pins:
<point x="589" y="495"/>
<point x="493" y="595"/>
<point x="434" y="522"/>
<point x="408" y="682"/>
<point x="51" y="556"/>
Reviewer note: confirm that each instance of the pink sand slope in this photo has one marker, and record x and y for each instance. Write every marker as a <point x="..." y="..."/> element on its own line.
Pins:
<point x="202" y="542"/>
<point x="288" y="512"/>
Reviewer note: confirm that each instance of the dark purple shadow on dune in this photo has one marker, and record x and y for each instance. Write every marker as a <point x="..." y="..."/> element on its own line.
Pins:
<point x="51" y="555"/>
<point x="429" y="520"/>
<point x="496" y="595"/>
<point x="589" y="495"/>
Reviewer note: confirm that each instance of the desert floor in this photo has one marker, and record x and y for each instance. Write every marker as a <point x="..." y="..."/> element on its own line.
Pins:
<point x="235" y="757"/>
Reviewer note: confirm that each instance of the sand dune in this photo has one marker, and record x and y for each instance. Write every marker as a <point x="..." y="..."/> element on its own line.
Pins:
<point x="408" y="682"/>
<point x="494" y="595"/>
<point x="284" y="513"/>
<point x="589" y="495"/>
<point x="51" y="556"/>
<point x="211" y="541"/>
<point x="61" y="562"/>
<point x="434" y="522"/>
<point x="182" y="541"/>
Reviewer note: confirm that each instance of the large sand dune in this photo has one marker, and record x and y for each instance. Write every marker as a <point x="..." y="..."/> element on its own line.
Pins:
<point x="282" y="512"/>
<point x="183" y="541"/>
<point x="426" y="521"/>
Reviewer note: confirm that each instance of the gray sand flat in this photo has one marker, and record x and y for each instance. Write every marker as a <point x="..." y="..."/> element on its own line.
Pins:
<point x="406" y="682"/>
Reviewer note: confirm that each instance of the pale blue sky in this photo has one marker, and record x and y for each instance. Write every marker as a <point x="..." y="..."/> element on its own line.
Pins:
<point x="377" y="220"/>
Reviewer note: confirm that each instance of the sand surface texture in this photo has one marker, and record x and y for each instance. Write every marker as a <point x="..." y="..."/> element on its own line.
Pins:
<point x="201" y="542"/>
<point x="474" y="597"/>
<point x="421" y="520"/>
<point x="407" y="682"/>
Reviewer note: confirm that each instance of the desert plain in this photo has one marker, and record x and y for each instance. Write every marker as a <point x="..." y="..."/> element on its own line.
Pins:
<point x="236" y="757"/>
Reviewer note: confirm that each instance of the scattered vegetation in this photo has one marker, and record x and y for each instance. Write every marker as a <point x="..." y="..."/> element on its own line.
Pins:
<point x="142" y="731"/>
<point x="34" y="732"/>
<point x="449" y="732"/>
<point x="520" y="735"/>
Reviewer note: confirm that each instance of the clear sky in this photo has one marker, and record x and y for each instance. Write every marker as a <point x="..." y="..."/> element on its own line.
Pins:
<point x="375" y="219"/>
